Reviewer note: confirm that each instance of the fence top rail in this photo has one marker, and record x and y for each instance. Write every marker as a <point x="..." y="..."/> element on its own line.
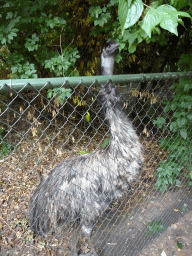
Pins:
<point x="40" y="83"/>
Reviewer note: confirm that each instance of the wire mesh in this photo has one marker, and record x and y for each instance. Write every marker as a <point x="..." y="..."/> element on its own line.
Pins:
<point x="40" y="128"/>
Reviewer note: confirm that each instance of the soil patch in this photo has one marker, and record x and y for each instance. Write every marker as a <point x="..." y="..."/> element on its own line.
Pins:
<point x="131" y="235"/>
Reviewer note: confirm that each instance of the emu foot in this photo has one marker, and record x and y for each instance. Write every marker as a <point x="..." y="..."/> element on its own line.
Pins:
<point x="94" y="253"/>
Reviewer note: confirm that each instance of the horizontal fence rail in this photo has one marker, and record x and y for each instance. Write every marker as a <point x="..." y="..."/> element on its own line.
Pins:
<point x="117" y="159"/>
<point x="29" y="84"/>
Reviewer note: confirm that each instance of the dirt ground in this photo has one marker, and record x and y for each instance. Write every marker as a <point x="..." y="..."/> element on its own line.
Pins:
<point x="131" y="236"/>
<point x="124" y="231"/>
<point x="167" y="243"/>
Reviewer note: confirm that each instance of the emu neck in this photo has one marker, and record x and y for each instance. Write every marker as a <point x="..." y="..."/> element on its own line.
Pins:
<point x="116" y="123"/>
<point x="122" y="134"/>
<point x="107" y="64"/>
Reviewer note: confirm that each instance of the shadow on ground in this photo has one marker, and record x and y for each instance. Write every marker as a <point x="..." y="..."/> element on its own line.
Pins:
<point x="129" y="236"/>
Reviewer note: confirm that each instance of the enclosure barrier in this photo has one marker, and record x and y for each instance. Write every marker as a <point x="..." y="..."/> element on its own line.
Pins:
<point x="45" y="121"/>
<point x="18" y="84"/>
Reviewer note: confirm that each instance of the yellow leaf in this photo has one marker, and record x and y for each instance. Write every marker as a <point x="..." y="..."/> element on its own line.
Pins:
<point x="87" y="117"/>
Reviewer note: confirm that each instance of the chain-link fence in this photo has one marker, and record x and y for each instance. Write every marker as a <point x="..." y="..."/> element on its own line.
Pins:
<point x="45" y="121"/>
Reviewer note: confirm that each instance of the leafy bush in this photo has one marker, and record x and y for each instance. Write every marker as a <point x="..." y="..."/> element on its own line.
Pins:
<point x="46" y="39"/>
<point x="60" y="94"/>
<point x="24" y="71"/>
<point x="60" y="64"/>
<point x="164" y="16"/>
<point x="29" y="30"/>
<point x="178" y="145"/>
<point x="185" y="62"/>
<point x="5" y="148"/>
<point x="154" y="227"/>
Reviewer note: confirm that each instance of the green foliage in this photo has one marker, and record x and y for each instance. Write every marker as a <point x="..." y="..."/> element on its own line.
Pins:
<point x="165" y="16"/>
<point x="103" y="18"/>
<point x="23" y="71"/>
<point x="46" y="39"/>
<point x="60" y="94"/>
<point x="178" y="119"/>
<point x="179" y="245"/>
<point x="99" y="15"/>
<point x="27" y="29"/>
<point x="31" y="43"/>
<point x="184" y="208"/>
<point x="154" y="227"/>
<point x="185" y="62"/>
<point x="61" y="64"/>
<point x="5" y="148"/>
<point x="129" y="12"/>
<point x="181" y="3"/>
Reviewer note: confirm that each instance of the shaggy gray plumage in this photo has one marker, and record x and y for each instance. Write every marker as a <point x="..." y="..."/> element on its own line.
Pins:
<point x="83" y="187"/>
<point x="108" y="57"/>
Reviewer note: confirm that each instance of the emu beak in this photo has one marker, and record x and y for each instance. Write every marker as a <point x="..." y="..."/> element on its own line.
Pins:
<point x="116" y="48"/>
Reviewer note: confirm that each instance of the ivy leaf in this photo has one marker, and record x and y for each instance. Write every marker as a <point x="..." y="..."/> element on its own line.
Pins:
<point x="174" y="105"/>
<point x="49" y="93"/>
<point x="160" y="122"/>
<point x="166" y="108"/>
<point x="14" y="69"/>
<point x="183" y="134"/>
<point x="187" y="87"/>
<point x="181" y="122"/>
<point x="173" y="126"/>
<point x="129" y="13"/>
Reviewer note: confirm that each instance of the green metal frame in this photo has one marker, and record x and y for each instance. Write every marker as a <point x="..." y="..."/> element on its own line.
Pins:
<point x="42" y="83"/>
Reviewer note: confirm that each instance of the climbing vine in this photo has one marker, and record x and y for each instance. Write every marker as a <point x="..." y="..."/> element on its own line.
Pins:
<point x="178" y="146"/>
<point x="64" y="38"/>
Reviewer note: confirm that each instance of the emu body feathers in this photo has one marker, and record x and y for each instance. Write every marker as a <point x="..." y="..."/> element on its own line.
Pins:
<point x="82" y="188"/>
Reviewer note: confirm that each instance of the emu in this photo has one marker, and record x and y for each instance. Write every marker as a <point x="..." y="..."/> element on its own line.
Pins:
<point x="82" y="188"/>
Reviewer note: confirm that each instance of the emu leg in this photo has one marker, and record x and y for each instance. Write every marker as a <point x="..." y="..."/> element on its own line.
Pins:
<point x="92" y="247"/>
<point x="87" y="230"/>
<point x="74" y="244"/>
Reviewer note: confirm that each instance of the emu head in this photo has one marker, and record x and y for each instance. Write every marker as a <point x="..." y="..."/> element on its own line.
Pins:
<point x="110" y="50"/>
